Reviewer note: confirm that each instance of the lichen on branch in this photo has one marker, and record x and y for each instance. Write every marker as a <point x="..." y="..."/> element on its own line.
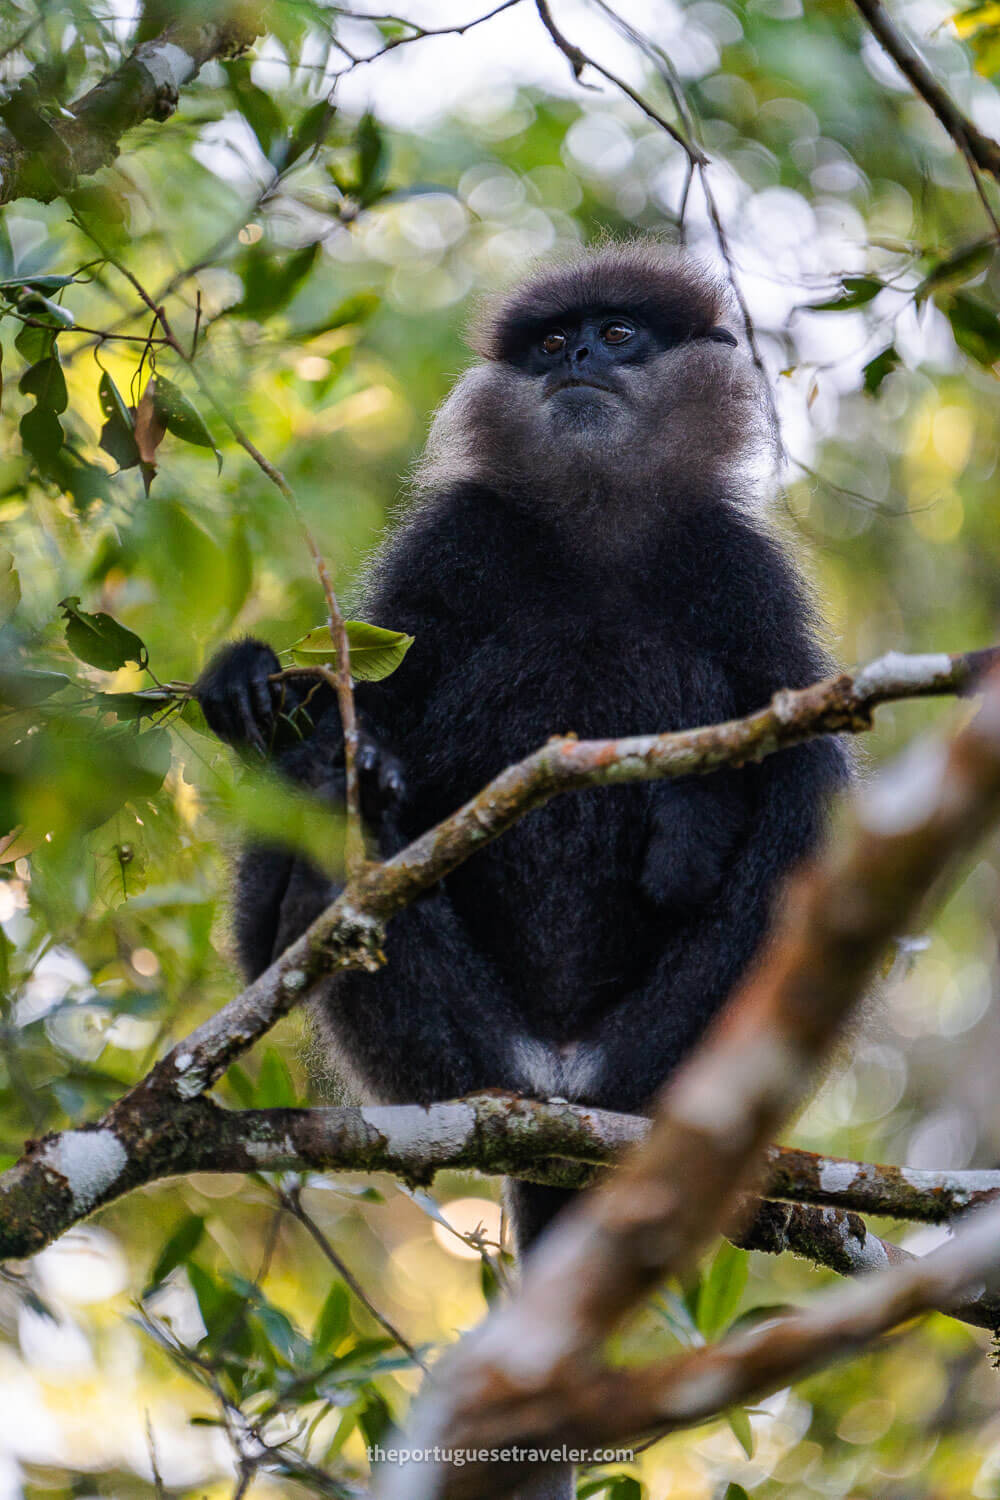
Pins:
<point x="47" y="153"/>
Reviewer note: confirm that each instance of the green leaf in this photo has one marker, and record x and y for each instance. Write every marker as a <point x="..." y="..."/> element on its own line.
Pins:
<point x="334" y="1315"/>
<point x="956" y="269"/>
<point x="976" y="328"/>
<point x="764" y="1312"/>
<point x="46" y="382"/>
<point x="741" y="1428"/>
<point x="194" y="716"/>
<point x="34" y="343"/>
<point x="242" y="1085"/>
<point x="354" y="309"/>
<point x="259" y="110"/>
<point x="878" y="368"/>
<point x="373" y="159"/>
<point x="275" y="1089"/>
<point x="721" y="1290"/>
<point x="102" y="207"/>
<point x="34" y="305"/>
<point x="271" y="810"/>
<point x="23" y="687"/>
<point x="855" y="291"/>
<point x="99" y="640"/>
<point x="375" y="1419"/>
<point x="43" y="284"/>
<point x="86" y="482"/>
<point x="610" y="1487"/>
<point x="41" y="435"/>
<point x="179" y="1247"/>
<point x="488" y="1279"/>
<point x="269" y="282"/>
<point x="736" y="1492"/>
<point x="375" y="653"/>
<point x="118" y="432"/>
<point x="179" y="416"/>
<point x="131" y="708"/>
<point x="221" y="1308"/>
<point x="312" y="129"/>
<point x="146" y="763"/>
<point x="10" y="586"/>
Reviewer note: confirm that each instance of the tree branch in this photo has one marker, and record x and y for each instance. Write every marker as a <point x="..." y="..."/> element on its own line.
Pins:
<point x="52" y="152"/>
<point x="843" y="1242"/>
<point x="716" y="1114"/>
<point x="980" y="149"/>
<point x="928" y="1197"/>
<point x="590" y="1405"/>
<point x="66" y="1176"/>
<point x="579" y="60"/>
<point x="497" y="1134"/>
<point x="338" y="678"/>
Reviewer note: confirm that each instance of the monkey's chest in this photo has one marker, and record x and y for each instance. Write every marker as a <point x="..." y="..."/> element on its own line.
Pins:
<point x="555" y="902"/>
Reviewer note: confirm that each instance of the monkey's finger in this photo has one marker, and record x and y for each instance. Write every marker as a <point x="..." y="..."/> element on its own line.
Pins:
<point x="260" y="697"/>
<point x="390" y="778"/>
<point x="367" y="757"/>
<point x="248" y="724"/>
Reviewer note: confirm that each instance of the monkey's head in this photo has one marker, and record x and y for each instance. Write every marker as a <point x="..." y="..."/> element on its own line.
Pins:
<point x="620" y="372"/>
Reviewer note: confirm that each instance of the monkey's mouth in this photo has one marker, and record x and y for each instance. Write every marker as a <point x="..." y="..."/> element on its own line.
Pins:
<point x="573" y="382"/>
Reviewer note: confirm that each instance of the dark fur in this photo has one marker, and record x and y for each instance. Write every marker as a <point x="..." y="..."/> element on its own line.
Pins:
<point x="607" y="588"/>
<point x="678" y="298"/>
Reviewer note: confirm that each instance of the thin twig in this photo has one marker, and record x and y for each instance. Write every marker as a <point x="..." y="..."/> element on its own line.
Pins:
<point x="579" y="60"/>
<point x="980" y="151"/>
<point x="417" y="34"/>
<point x="698" y="161"/>
<point x="354" y="850"/>
<point x="292" y="1200"/>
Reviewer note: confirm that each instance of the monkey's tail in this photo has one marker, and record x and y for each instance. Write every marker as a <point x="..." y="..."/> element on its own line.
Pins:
<point x="531" y="1208"/>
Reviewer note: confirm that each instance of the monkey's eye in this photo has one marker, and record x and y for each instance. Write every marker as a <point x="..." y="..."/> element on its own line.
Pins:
<point x="617" y="332"/>
<point x="554" y="341"/>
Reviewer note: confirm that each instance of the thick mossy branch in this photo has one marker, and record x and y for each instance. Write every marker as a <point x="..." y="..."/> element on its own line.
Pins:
<point x="51" y="151"/>
<point x="64" y="1177"/>
<point x="715" y="1118"/>
<point x="590" y="1406"/>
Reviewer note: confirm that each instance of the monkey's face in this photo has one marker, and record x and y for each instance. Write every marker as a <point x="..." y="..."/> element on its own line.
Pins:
<point x="600" y="375"/>
<point x="614" y="378"/>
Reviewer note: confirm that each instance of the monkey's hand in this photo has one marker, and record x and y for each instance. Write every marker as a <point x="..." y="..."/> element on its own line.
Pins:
<point x="318" y="763"/>
<point x="380" y="775"/>
<point x="239" y="702"/>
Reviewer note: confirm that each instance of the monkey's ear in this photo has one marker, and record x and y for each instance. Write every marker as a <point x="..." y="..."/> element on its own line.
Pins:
<point x="722" y="336"/>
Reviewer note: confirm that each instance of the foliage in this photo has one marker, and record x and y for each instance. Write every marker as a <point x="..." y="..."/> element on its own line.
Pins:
<point x="316" y="261"/>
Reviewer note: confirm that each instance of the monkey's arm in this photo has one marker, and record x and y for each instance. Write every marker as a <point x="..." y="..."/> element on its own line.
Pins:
<point x="695" y="825"/>
<point x="279" y="893"/>
<point x="733" y="834"/>
<point x="638" y="1041"/>
<point x="243" y="706"/>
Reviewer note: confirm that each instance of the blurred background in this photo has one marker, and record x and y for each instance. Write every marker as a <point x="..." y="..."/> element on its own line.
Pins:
<point x="328" y="261"/>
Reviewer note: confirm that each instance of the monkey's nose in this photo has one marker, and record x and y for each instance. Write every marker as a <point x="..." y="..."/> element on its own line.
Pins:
<point x="582" y="352"/>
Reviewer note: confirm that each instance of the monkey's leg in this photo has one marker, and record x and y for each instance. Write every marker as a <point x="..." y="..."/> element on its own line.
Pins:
<point x="532" y="1206"/>
<point x="435" y="1022"/>
<point x="554" y="1482"/>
